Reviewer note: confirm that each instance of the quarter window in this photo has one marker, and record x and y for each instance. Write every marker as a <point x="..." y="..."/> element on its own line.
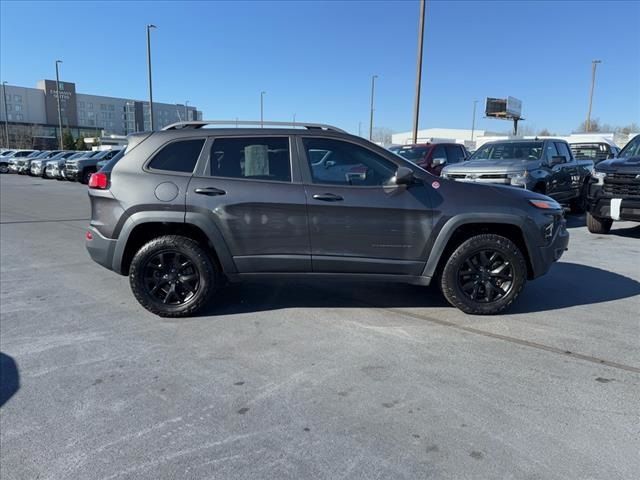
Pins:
<point x="178" y="156"/>
<point x="257" y="158"/>
<point x="343" y="163"/>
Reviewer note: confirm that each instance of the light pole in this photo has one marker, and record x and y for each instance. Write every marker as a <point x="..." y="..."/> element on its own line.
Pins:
<point x="294" y="119"/>
<point x="149" y="27"/>
<point x="473" y="121"/>
<point x="6" y="115"/>
<point x="594" y="64"/>
<point x="416" y="105"/>
<point x="373" y="88"/>
<point x="58" y="97"/>
<point x="262" y="109"/>
<point x="186" y="112"/>
<point x="359" y="129"/>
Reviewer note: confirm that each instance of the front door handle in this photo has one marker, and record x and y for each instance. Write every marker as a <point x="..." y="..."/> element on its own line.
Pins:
<point x="327" y="197"/>
<point x="211" y="191"/>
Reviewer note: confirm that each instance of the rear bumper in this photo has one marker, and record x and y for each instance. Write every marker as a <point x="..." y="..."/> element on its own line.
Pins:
<point x="100" y="248"/>
<point x="629" y="208"/>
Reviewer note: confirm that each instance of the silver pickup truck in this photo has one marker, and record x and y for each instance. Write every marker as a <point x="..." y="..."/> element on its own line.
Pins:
<point x="544" y="166"/>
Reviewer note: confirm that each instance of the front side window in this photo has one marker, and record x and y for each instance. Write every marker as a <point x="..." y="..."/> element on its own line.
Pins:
<point x="343" y="163"/>
<point x="563" y="150"/>
<point x="455" y="154"/>
<point x="255" y="158"/>
<point x="439" y="152"/>
<point x="178" y="156"/>
<point x="551" y="151"/>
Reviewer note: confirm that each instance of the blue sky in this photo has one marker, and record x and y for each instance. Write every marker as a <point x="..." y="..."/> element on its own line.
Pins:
<point x="315" y="59"/>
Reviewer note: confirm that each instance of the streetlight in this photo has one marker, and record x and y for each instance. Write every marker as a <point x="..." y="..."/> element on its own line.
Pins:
<point x="594" y="64"/>
<point x="186" y="116"/>
<point x="473" y="121"/>
<point x="294" y="119"/>
<point x="416" y="106"/>
<point x="6" y="115"/>
<point x="373" y="88"/>
<point x="262" y="109"/>
<point x="58" y="95"/>
<point x="149" y="27"/>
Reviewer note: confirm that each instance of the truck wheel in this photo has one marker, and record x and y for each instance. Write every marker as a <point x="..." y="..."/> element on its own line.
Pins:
<point x="484" y="275"/>
<point x="4" y="168"/>
<point x="173" y="276"/>
<point x="598" y="225"/>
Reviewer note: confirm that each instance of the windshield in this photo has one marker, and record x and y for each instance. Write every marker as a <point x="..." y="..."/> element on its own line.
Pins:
<point x="77" y="155"/>
<point x="34" y="154"/>
<point x="632" y="149"/>
<point x="509" y="151"/>
<point x="413" y="153"/>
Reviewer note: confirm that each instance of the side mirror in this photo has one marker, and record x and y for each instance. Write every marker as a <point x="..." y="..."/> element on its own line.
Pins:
<point x="557" y="160"/>
<point x="404" y="176"/>
<point x="436" y="162"/>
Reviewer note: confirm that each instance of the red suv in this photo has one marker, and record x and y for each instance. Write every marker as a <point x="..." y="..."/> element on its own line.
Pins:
<point x="433" y="156"/>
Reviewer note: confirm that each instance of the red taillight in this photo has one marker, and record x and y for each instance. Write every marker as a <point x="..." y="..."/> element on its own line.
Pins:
<point x="88" y="235"/>
<point x="99" y="180"/>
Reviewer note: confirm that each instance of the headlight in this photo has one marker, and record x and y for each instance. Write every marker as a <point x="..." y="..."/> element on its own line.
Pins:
<point x="444" y="175"/>
<point x="599" y="177"/>
<point x="545" y="204"/>
<point x="519" y="178"/>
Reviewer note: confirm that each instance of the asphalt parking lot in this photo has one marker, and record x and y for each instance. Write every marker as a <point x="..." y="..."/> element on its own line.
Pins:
<point x="310" y="380"/>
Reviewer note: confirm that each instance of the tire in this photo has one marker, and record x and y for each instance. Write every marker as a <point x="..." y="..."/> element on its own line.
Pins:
<point x="86" y="175"/>
<point x="598" y="225"/>
<point x="4" y="168"/>
<point x="157" y="263"/>
<point x="464" y="271"/>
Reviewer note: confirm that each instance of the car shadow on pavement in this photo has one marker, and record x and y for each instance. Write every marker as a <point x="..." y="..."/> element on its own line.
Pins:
<point x="9" y="378"/>
<point x="571" y="284"/>
<point x="631" y="232"/>
<point x="566" y="285"/>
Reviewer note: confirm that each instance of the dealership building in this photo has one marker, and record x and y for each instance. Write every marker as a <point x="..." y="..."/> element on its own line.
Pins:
<point x="33" y="113"/>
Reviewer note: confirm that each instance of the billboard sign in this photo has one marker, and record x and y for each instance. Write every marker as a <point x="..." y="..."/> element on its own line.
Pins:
<point x="67" y="103"/>
<point x="509" y="107"/>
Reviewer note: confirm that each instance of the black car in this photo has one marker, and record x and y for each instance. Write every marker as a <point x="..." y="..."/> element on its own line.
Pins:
<point x="615" y="190"/>
<point x="187" y="207"/>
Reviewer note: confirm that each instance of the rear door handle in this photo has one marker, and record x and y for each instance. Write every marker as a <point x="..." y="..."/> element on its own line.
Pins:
<point x="211" y="191"/>
<point x="327" y="197"/>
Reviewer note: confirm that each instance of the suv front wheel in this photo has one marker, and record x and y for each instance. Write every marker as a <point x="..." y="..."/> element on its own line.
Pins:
<point x="173" y="276"/>
<point x="484" y="275"/>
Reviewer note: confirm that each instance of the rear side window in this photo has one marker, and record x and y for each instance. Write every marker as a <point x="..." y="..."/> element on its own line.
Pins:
<point x="178" y="156"/>
<point x="255" y="158"/>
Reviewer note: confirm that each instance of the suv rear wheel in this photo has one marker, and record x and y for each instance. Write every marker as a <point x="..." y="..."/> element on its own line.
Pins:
<point x="173" y="276"/>
<point x="598" y="225"/>
<point x="484" y="275"/>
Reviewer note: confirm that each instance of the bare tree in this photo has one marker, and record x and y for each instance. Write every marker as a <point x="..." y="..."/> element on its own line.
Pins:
<point x="382" y="135"/>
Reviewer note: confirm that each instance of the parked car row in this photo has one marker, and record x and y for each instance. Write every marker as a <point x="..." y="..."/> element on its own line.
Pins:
<point x="59" y="164"/>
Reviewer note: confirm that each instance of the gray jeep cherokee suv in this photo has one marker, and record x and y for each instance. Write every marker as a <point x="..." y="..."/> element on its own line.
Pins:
<point x="187" y="208"/>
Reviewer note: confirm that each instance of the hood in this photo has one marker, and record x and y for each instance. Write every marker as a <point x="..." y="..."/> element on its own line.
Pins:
<point x="631" y="164"/>
<point x="504" y="165"/>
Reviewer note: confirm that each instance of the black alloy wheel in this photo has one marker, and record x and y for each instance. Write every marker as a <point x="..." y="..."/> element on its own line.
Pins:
<point x="486" y="276"/>
<point x="171" y="277"/>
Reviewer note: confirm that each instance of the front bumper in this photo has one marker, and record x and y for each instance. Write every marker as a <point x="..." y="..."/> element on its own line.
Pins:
<point x="629" y="208"/>
<point x="542" y="257"/>
<point x="71" y="174"/>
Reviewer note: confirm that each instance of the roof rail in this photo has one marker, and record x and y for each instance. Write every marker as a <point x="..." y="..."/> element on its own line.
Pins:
<point x="202" y="123"/>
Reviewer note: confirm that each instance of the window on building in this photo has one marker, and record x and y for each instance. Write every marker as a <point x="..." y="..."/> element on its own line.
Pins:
<point x="17" y="98"/>
<point x="110" y="114"/>
<point x="258" y="158"/>
<point x="90" y="106"/>
<point x="178" y="156"/>
<point x="9" y="107"/>
<point x="91" y="122"/>
<point x="103" y="106"/>
<point x="18" y="108"/>
<point x="104" y="115"/>
<point x="112" y="108"/>
<point x="10" y="116"/>
<point x="19" y="117"/>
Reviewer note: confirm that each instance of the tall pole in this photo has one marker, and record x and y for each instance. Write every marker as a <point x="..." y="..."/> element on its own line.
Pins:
<point x="149" y="27"/>
<point x="416" y="105"/>
<point x="186" y="116"/>
<point x="294" y="119"/>
<point x="373" y="89"/>
<point x="6" y="116"/>
<point x="359" y="129"/>
<point x="61" y="146"/>
<point x="594" y="64"/>
<point x="262" y="109"/>
<point x="473" y="121"/>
